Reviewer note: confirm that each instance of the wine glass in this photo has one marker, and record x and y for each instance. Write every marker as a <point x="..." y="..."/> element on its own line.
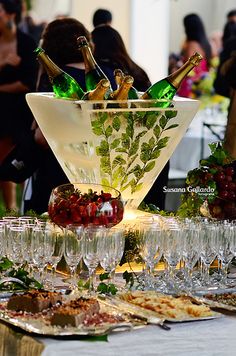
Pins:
<point x="191" y="252"/>
<point x="151" y="250"/>
<point x="73" y="249"/>
<point x="208" y="249"/>
<point x="112" y="250"/>
<point x="173" y="249"/>
<point x="92" y="249"/>
<point x="225" y="250"/>
<point x="56" y="245"/>
<point x="14" y="243"/>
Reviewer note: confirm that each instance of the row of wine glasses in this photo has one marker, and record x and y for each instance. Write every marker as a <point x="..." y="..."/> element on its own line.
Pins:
<point x="40" y="244"/>
<point x="95" y="244"/>
<point x="193" y="244"/>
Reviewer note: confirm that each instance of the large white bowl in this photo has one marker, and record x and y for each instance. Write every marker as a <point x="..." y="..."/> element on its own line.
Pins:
<point x="115" y="146"/>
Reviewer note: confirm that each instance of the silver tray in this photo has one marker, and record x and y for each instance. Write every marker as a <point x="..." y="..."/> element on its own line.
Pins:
<point x="215" y="304"/>
<point x="40" y="325"/>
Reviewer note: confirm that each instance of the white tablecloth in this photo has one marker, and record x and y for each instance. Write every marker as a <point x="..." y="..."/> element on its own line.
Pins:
<point x="200" y="338"/>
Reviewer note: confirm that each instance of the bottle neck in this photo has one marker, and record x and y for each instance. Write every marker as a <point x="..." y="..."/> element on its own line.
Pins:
<point x="51" y="68"/>
<point x="99" y="92"/>
<point x="122" y="92"/>
<point x="178" y="76"/>
<point x="89" y="60"/>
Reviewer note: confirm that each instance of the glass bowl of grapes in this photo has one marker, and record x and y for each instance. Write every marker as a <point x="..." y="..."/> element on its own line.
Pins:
<point x="85" y="204"/>
<point x="211" y="188"/>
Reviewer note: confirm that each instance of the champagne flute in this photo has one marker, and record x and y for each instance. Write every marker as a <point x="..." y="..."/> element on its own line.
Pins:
<point x="112" y="250"/>
<point x="92" y="249"/>
<point x="73" y="249"/>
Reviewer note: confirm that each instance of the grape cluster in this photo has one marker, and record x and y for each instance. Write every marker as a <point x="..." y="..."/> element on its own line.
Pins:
<point x="224" y="204"/>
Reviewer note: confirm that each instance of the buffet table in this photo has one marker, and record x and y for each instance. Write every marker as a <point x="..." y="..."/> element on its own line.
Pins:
<point x="206" y="338"/>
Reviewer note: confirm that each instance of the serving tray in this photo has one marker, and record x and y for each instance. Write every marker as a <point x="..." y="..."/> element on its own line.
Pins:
<point x="39" y="323"/>
<point x="145" y="311"/>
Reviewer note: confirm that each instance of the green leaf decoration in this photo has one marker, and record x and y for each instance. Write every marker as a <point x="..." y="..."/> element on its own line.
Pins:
<point x="172" y="127"/>
<point x="152" y="142"/>
<point x="108" y="131"/>
<point x="105" y="165"/>
<point x="129" y="278"/>
<point x="103" y="149"/>
<point x="136" y="188"/>
<point x="115" y="143"/>
<point x="97" y="128"/>
<point x="134" y="148"/>
<point x="125" y="140"/>
<point x="155" y="154"/>
<point x="118" y="160"/>
<point x="103" y="276"/>
<point x="157" y="131"/>
<point x="136" y="170"/>
<point x="170" y="114"/>
<point x="151" y="120"/>
<point x="116" y="123"/>
<point x="140" y="135"/>
<point x="106" y="182"/>
<point x="149" y="166"/>
<point x="5" y="264"/>
<point x="162" y="142"/>
<point x="163" y="122"/>
<point x="103" y="117"/>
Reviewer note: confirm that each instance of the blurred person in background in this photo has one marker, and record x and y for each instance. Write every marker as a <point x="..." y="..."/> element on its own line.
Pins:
<point x="110" y="50"/>
<point x="18" y="70"/>
<point x="102" y="17"/>
<point x="221" y="84"/>
<point x="196" y="41"/>
<point x="28" y="24"/>
<point x="231" y="15"/>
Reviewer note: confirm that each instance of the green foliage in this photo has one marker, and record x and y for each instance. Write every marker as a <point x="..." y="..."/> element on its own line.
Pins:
<point x="106" y="287"/>
<point x="127" y="157"/>
<point x="20" y="273"/>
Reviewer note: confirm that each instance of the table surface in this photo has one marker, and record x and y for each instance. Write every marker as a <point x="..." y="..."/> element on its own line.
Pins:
<point x="206" y="338"/>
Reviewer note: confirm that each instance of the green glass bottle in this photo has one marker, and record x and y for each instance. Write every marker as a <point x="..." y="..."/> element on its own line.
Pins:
<point x="167" y="87"/>
<point x="93" y="73"/>
<point x="64" y="86"/>
<point x="99" y="92"/>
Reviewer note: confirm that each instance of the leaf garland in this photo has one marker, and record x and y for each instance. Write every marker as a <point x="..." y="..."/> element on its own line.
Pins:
<point x="125" y="156"/>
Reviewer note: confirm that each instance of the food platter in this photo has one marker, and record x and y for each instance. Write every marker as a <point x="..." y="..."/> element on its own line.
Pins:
<point x="225" y="300"/>
<point x="115" y="314"/>
<point x="172" y="309"/>
<point x="39" y="324"/>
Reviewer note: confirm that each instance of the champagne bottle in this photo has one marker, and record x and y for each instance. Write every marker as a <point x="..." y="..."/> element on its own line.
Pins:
<point x="119" y="77"/>
<point x="122" y="92"/>
<point x="99" y="92"/>
<point x="167" y="87"/>
<point x="93" y="73"/>
<point x="64" y="86"/>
